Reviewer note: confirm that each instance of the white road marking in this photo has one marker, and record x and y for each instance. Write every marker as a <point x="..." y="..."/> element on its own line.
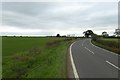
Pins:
<point x="89" y="50"/>
<point x="73" y="65"/>
<point x="103" y="49"/>
<point x="113" y="65"/>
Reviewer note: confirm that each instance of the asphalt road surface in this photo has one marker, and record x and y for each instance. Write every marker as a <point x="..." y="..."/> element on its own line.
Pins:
<point x="94" y="62"/>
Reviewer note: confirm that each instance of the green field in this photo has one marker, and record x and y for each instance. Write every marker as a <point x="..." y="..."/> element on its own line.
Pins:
<point x="112" y="44"/>
<point x="112" y="39"/>
<point x="34" y="57"/>
<point x="13" y="45"/>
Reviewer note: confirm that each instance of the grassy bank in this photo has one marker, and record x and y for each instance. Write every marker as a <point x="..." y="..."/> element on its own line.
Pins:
<point x="25" y="57"/>
<point x="111" y="44"/>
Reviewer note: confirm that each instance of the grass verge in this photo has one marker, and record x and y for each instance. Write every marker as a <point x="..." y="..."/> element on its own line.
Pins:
<point x="46" y="61"/>
<point x="109" y="44"/>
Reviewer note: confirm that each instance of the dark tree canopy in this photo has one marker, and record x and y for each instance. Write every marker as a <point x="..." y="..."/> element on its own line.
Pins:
<point x="105" y="34"/>
<point x="58" y="35"/>
<point x="88" y="33"/>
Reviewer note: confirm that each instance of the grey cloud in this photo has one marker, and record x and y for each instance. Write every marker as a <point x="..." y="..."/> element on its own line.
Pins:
<point x="27" y="8"/>
<point x="51" y="15"/>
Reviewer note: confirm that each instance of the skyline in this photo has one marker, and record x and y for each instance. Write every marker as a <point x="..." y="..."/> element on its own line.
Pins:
<point x="51" y="18"/>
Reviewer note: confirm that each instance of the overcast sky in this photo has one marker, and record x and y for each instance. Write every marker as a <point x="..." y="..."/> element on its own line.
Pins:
<point x="50" y="18"/>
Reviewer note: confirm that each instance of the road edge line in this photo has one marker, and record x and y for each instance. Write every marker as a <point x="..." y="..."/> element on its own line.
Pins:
<point x="73" y="65"/>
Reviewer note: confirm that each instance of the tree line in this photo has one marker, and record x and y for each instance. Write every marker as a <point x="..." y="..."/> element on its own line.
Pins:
<point x="90" y="33"/>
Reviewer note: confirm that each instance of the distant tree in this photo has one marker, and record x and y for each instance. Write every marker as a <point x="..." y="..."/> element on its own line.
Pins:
<point x="105" y="34"/>
<point x="63" y="36"/>
<point x="58" y="35"/>
<point x="88" y="33"/>
<point x="117" y="32"/>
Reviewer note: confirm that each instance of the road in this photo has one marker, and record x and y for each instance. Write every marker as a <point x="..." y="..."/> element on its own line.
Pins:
<point x="94" y="62"/>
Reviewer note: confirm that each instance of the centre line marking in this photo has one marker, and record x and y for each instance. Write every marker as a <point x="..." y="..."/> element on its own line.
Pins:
<point x="113" y="65"/>
<point x="89" y="50"/>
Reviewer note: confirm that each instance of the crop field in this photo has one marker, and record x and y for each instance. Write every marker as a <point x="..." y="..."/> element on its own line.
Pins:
<point x="112" y="44"/>
<point x="34" y="57"/>
<point x="12" y="45"/>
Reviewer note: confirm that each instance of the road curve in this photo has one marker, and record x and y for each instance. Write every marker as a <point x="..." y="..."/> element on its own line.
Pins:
<point x="93" y="62"/>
